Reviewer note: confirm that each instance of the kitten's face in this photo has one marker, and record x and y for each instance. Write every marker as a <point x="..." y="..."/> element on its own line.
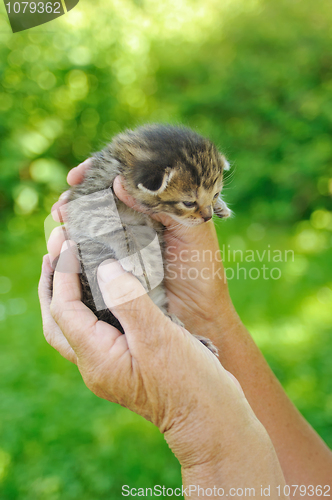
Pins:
<point x="184" y="199"/>
<point x="174" y="171"/>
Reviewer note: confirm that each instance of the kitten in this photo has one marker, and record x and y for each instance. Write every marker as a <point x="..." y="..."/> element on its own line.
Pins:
<point x="166" y="169"/>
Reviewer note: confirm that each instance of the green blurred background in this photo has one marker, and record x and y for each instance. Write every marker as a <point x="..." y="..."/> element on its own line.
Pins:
<point x="253" y="75"/>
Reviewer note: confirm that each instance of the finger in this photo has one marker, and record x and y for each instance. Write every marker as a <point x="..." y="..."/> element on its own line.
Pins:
<point x="130" y="201"/>
<point x="76" y="175"/>
<point x="125" y="197"/>
<point x="55" y="242"/>
<point x="52" y="332"/>
<point x="77" y="322"/>
<point x="58" y="210"/>
<point x="128" y="301"/>
<point x="69" y="262"/>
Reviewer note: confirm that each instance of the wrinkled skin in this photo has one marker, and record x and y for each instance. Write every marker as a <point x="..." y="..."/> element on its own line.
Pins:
<point x="157" y="368"/>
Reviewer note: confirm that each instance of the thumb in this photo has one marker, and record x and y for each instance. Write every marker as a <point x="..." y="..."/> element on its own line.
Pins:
<point x="127" y="299"/>
<point x="131" y="202"/>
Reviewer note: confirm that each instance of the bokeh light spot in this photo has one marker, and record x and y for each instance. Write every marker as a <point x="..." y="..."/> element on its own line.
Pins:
<point x="309" y="240"/>
<point x="46" y="80"/>
<point x="26" y="200"/>
<point x="324" y="295"/>
<point x="33" y="143"/>
<point x="49" y="171"/>
<point x="78" y="83"/>
<point x="321" y="219"/>
<point x="31" y="53"/>
<point x="80" y="56"/>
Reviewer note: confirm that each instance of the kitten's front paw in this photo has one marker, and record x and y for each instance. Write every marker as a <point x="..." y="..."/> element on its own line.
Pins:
<point x="208" y="344"/>
<point x="221" y="209"/>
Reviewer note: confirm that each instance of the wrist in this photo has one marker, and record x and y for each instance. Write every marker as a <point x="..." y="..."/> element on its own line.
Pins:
<point x="250" y="464"/>
<point x="225" y="322"/>
<point x="194" y="444"/>
<point x="212" y="433"/>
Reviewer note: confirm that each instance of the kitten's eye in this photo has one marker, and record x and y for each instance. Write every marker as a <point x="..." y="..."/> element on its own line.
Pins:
<point x="189" y="204"/>
<point x="216" y="196"/>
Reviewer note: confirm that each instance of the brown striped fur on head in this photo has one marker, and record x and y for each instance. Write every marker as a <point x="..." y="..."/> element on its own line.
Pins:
<point x="172" y="170"/>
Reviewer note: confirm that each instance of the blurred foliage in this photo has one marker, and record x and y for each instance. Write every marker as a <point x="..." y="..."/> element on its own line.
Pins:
<point x="256" y="77"/>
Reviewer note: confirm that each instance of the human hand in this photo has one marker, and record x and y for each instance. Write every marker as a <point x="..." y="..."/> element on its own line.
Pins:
<point x="195" y="281"/>
<point x="70" y="326"/>
<point x="160" y="371"/>
<point x="205" y="304"/>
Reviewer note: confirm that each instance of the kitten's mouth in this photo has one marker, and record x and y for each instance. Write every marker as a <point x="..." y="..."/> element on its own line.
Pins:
<point x="197" y="223"/>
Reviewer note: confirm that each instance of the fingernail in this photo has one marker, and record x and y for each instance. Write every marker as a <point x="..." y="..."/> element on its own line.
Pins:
<point x="109" y="270"/>
<point x="68" y="261"/>
<point x="65" y="195"/>
<point x="57" y="214"/>
<point x="65" y="246"/>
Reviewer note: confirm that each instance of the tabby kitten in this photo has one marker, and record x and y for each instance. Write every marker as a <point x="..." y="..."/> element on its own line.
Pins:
<point x="166" y="169"/>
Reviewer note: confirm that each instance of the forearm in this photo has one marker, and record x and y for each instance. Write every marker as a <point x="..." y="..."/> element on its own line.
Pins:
<point x="304" y="458"/>
<point x="251" y="470"/>
<point x="224" y="450"/>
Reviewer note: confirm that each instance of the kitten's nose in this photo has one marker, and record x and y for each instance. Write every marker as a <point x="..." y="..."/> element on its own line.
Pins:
<point x="206" y="213"/>
<point x="207" y="218"/>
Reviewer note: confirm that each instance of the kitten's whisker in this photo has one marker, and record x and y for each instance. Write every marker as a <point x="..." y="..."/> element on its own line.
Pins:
<point x="229" y="178"/>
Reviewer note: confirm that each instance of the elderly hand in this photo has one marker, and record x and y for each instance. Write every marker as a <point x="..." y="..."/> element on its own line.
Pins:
<point x="137" y="369"/>
<point x="204" y="305"/>
<point x="160" y="371"/>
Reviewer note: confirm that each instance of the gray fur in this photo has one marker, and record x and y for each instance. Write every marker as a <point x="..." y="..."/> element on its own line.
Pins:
<point x="161" y="165"/>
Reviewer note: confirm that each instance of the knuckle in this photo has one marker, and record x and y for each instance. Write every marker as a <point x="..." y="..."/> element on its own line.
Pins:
<point x="129" y="290"/>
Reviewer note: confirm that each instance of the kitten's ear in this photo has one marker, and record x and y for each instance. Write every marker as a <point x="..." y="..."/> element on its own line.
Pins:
<point x="155" y="182"/>
<point x="226" y="164"/>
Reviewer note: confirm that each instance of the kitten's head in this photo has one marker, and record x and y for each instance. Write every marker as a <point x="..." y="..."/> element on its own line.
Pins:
<point x="173" y="170"/>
